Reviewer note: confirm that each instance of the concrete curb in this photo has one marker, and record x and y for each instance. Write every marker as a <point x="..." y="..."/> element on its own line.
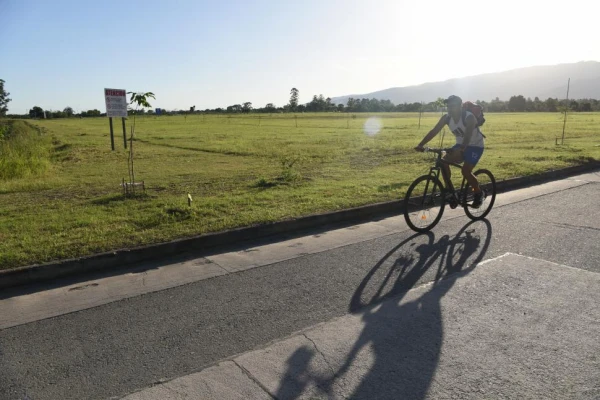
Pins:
<point x="125" y="257"/>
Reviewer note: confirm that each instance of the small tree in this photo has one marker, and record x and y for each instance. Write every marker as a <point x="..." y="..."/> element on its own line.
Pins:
<point x="294" y="99"/>
<point x="68" y="112"/>
<point x="140" y="100"/>
<point x="4" y="100"/>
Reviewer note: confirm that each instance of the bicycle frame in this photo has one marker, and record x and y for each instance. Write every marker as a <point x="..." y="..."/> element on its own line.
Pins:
<point x="435" y="172"/>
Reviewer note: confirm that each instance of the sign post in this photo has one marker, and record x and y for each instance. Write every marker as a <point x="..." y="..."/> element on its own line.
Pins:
<point x="112" y="137"/>
<point x="124" y="134"/>
<point x="116" y="106"/>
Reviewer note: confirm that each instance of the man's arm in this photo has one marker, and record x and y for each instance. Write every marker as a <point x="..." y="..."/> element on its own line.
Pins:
<point x="471" y="122"/>
<point x="432" y="133"/>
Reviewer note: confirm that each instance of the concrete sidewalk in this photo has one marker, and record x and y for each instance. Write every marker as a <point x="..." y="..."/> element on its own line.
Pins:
<point x="510" y="327"/>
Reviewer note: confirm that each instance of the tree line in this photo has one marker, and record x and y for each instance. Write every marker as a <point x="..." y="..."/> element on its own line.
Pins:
<point x="320" y="103"/>
<point x="517" y="103"/>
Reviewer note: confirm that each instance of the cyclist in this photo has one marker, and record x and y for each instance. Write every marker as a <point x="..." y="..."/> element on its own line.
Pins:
<point x="468" y="148"/>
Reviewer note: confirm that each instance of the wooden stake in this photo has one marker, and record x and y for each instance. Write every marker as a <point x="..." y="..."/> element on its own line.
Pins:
<point x="112" y="136"/>
<point x="124" y="133"/>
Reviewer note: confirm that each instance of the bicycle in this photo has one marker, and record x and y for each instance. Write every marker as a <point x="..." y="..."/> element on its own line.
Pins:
<point x="427" y="195"/>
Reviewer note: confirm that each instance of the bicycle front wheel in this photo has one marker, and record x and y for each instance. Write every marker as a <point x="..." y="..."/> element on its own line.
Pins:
<point x="487" y="183"/>
<point x="424" y="203"/>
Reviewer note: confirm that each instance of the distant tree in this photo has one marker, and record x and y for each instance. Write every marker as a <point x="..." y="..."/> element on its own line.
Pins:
<point x="192" y="109"/>
<point x="68" y="111"/>
<point x="551" y="104"/>
<point x="439" y="104"/>
<point x="517" y="103"/>
<point x="247" y="107"/>
<point x="92" y="113"/>
<point x="328" y="105"/>
<point x="574" y="105"/>
<point x="363" y="105"/>
<point x="270" y="107"/>
<point x="294" y="93"/>
<point x="413" y="107"/>
<point x="36" y="112"/>
<point x="340" y="107"/>
<point x="4" y="100"/>
<point x="386" y="105"/>
<point x="234" y="108"/>
<point x="318" y="103"/>
<point x="351" y="104"/>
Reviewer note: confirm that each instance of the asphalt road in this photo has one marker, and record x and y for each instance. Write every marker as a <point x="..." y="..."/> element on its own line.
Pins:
<point x="113" y="349"/>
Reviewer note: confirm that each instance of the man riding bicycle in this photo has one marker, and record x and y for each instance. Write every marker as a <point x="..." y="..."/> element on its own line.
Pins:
<point x="469" y="144"/>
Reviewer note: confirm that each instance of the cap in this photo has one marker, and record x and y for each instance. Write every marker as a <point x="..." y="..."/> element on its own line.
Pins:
<point x="453" y="99"/>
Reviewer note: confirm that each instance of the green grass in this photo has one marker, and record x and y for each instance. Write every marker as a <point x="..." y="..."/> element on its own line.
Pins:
<point x="240" y="173"/>
<point x="24" y="153"/>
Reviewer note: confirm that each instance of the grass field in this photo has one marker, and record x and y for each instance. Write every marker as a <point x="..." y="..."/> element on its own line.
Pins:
<point x="240" y="170"/>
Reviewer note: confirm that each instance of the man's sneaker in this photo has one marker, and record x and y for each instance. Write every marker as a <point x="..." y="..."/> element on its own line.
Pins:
<point x="477" y="199"/>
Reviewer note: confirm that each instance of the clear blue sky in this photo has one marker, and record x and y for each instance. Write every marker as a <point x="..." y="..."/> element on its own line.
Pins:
<point x="214" y="54"/>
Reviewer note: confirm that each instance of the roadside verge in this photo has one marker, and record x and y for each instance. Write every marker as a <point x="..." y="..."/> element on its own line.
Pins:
<point x="125" y="257"/>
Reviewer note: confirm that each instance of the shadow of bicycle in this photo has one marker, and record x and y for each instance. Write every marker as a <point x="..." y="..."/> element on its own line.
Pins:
<point x="397" y="351"/>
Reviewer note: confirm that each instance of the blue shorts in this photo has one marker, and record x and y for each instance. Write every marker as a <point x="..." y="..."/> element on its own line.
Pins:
<point x="471" y="154"/>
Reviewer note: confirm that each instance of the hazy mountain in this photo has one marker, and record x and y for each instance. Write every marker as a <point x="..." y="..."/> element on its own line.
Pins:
<point x="541" y="81"/>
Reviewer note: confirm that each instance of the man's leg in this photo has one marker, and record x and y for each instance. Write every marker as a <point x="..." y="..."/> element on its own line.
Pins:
<point x="446" y="174"/>
<point x="455" y="157"/>
<point x="467" y="171"/>
<point x="471" y="157"/>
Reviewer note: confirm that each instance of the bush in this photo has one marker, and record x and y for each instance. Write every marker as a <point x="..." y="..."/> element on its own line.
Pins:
<point x="24" y="151"/>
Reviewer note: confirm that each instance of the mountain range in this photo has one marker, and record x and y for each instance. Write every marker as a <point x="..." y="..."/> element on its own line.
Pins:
<point x="539" y="81"/>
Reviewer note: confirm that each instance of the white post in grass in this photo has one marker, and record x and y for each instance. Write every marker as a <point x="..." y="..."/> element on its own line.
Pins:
<point x="566" y="108"/>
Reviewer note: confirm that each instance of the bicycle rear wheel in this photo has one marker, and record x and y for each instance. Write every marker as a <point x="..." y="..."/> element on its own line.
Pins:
<point x="487" y="183"/>
<point x="424" y="203"/>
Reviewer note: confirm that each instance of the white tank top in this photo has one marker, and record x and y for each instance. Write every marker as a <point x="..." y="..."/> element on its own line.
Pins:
<point x="458" y="129"/>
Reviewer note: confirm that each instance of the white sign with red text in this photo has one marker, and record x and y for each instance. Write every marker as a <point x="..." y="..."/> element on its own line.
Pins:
<point x="116" y="102"/>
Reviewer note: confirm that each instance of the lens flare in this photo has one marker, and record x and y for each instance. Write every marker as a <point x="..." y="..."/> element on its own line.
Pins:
<point x="372" y="126"/>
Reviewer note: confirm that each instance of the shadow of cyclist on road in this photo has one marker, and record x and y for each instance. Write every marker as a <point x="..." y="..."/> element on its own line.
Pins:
<point x="404" y="335"/>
